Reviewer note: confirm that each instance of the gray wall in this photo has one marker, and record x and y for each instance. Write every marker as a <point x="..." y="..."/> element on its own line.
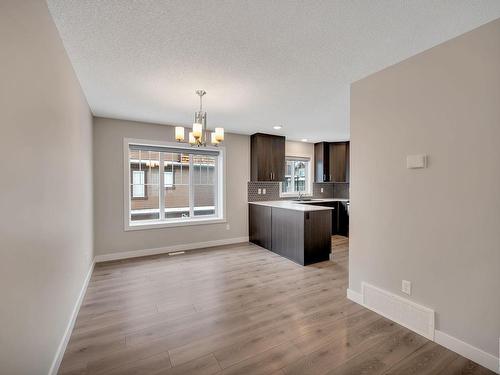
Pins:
<point x="110" y="236"/>
<point x="46" y="188"/>
<point x="437" y="227"/>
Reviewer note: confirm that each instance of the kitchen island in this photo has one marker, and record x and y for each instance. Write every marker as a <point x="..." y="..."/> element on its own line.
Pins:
<point x="300" y="231"/>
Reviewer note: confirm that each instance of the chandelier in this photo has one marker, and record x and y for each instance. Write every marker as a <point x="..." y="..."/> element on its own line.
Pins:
<point x="199" y="135"/>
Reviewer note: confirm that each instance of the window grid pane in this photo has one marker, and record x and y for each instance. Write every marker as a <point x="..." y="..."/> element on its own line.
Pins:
<point x="176" y="185"/>
<point x="296" y="176"/>
<point x="144" y="192"/>
<point x="189" y="185"/>
<point x="204" y="187"/>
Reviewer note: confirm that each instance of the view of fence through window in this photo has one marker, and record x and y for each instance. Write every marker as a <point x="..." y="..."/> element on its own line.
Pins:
<point x="189" y="185"/>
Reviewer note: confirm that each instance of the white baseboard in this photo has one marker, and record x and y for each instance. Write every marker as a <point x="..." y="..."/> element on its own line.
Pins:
<point x="464" y="349"/>
<point x="54" y="368"/>
<point x="468" y="351"/>
<point x="167" y="249"/>
<point x="416" y="317"/>
<point x="355" y="296"/>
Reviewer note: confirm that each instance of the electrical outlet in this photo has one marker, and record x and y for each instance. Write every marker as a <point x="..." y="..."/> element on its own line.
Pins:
<point x="264" y="191"/>
<point x="322" y="190"/>
<point x="406" y="287"/>
<point x="228" y="227"/>
<point x="259" y="191"/>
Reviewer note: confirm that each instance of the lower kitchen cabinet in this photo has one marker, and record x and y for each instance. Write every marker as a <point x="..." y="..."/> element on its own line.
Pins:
<point x="260" y="225"/>
<point x="288" y="234"/>
<point x="340" y="216"/>
<point x="301" y="236"/>
<point x="342" y="220"/>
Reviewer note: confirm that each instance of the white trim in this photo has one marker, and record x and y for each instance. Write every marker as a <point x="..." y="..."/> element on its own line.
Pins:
<point x="452" y="343"/>
<point x="468" y="351"/>
<point x="175" y="209"/>
<point x="308" y="178"/>
<point x="155" y="224"/>
<point x="167" y="249"/>
<point x="61" y="349"/>
<point x="355" y="296"/>
<point x="403" y="311"/>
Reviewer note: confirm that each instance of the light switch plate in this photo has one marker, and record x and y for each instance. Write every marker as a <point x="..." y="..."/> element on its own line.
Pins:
<point x="264" y="191"/>
<point x="406" y="287"/>
<point x="321" y="189"/>
<point x="416" y="161"/>
<point x="259" y="191"/>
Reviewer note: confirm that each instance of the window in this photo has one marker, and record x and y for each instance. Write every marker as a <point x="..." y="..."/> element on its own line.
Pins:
<point x="138" y="190"/>
<point x="171" y="184"/>
<point x="168" y="179"/>
<point x="297" y="177"/>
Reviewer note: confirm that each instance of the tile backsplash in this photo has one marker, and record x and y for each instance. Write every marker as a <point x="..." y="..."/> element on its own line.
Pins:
<point x="341" y="190"/>
<point x="327" y="190"/>
<point x="330" y="190"/>
<point x="272" y="191"/>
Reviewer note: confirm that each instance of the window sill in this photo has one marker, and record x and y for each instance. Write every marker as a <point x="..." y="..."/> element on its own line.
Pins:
<point x="171" y="224"/>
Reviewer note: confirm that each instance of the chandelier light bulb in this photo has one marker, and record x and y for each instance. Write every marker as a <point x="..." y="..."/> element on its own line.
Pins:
<point x="197" y="130"/>
<point x="179" y="133"/>
<point x="192" y="139"/>
<point x="219" y="134"/>
<point x="213" y="138"/>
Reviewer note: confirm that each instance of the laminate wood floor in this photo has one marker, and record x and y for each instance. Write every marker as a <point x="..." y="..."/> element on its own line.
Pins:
<point x="240" y="309"/>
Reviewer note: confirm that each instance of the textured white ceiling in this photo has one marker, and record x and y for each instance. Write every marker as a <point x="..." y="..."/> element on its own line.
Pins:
<point x="262" y="62"/>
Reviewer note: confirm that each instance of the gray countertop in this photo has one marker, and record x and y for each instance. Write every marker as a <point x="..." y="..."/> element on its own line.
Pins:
<point x="300" y="206"/>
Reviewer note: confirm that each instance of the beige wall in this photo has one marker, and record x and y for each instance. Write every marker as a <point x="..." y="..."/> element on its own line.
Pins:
<point x="110" y="236"/>
<point x="46" y="188"/>
<point x="304" y="150"/>
<point x="437" y="227"/>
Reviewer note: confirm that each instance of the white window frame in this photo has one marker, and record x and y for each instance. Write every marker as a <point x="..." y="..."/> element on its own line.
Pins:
<point x="308" y="176"/>
<point x="220" y="201"/>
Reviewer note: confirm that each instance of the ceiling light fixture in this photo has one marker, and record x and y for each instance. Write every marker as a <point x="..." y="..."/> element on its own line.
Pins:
<point x="304" y="139"/>
<point x="198" y="136"/>
<point x="277" y="127"/>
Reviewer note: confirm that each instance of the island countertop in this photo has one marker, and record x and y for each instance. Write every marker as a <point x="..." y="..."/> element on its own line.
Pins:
<point x="305" y="206"/>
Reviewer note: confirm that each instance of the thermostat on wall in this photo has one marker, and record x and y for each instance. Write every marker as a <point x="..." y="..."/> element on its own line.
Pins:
<point x="416" y="161"/>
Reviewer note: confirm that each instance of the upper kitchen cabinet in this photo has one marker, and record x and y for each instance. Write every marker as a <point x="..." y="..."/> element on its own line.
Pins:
<point x="339" y="162"/>
<point x="267" y="159"/>
<point x="331" y="162"/>
<point x="322" y="162"/>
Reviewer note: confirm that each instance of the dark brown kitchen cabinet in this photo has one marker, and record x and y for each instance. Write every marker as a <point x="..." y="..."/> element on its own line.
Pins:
<point x="342" y="220"/>
<point x="331" y="162"/>
<point x="260" y="225"/>
<point x="340" y="216"/>
<point x="304" y="237"/>
<point x="339" y="162"/>
<point x="321" y="162"/>
<point x="267" y="157"/>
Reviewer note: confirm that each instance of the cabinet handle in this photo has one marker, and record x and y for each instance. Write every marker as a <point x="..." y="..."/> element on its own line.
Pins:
<point x="324" y="177"/>
<point x="330" y="177"/>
